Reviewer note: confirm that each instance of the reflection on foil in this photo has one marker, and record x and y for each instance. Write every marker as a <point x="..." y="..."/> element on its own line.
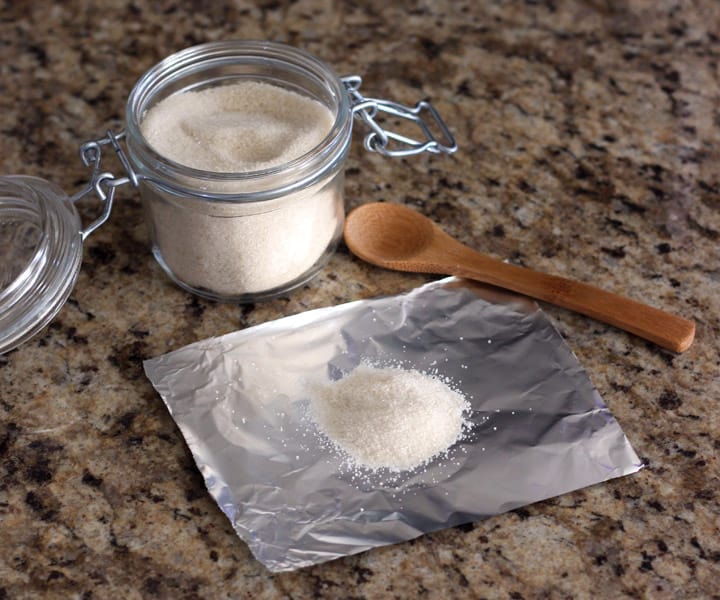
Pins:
<point x="539" y="427"/>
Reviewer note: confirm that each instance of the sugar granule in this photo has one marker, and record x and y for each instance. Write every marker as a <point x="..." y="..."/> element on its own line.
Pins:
<point x="246" y="126"/>
<point x="236" y="248"/>
<point x="391" y="418"/>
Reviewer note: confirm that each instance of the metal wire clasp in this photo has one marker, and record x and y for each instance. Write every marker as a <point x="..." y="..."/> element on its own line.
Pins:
<point x="379" y="139"/>
<point x="103" y="184"/>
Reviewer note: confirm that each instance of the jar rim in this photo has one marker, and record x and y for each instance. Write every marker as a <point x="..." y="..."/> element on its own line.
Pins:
<point x="310" y="166"/>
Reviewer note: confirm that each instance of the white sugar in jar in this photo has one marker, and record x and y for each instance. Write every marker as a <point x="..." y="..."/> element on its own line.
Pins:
<point x="239" y="150"/>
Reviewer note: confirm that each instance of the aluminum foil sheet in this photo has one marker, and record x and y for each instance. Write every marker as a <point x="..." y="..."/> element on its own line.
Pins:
<point x="539" y="428"/>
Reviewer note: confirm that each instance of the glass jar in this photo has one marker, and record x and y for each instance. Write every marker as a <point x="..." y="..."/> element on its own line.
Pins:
<point x="252" y="235"/>
<point x="227" y="236"/>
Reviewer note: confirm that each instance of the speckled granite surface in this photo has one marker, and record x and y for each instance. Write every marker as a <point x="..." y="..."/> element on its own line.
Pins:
<point x="590" y="147"/>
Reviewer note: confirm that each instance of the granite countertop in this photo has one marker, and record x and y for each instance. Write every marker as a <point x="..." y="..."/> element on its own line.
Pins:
<point x="589" y="141"/>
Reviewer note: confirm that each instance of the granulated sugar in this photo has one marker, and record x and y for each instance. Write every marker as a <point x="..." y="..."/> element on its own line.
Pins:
<point x="232" y="249"/>
<point x="389" y="417"/>
<point x="247" y="126"/>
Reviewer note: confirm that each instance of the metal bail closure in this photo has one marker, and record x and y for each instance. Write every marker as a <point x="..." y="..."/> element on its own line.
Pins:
<point x="380" y="139"/>
<point x="41" y="241"/>
<point x="103" y="184"/>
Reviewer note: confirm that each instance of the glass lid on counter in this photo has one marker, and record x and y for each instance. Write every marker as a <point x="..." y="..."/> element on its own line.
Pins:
<point x="41" y="247"/>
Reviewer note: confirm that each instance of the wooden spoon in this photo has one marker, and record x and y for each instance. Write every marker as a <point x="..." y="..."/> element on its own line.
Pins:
<point x="397" y="237"/>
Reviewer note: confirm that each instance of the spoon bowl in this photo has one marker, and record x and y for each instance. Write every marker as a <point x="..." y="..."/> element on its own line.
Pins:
<point x="376" y="233"/>
<point x="396" y="237"/>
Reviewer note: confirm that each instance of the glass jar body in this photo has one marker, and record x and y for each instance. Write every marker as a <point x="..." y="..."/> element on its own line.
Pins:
<point x="252" y="235"/>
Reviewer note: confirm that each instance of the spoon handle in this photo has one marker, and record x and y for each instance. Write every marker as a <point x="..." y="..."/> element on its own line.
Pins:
<point x="662" y="328"/>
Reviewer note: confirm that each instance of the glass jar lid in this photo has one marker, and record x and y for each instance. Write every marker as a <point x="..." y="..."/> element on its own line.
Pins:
<point x="41" y="247"/>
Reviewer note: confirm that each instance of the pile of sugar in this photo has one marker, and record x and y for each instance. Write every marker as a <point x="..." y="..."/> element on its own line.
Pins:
<point x="389" y="417"/>
<point x="237" y="128"/>
<point x="233" y="249"/>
